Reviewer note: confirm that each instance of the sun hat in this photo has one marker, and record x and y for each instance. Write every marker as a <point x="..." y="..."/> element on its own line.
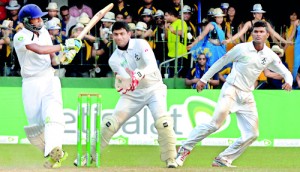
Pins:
<point x="53" y="24"/>
<point x="210" y="12"/>
<point x="83" y="18"/>
<point x="141" y="26"/>
<point x="277" y="49"/>
<point x="52" y="6"/>
<point x="257" y="8"/>
<point x="218" y="12"/>
<point x="109" y="17"/>
<point x="131" y="26"/>
<point x="5" y="24"/>
<point x="13" y="5"/>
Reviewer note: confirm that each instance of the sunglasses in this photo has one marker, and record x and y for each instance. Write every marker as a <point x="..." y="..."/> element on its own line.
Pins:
<point x="64" y="15"/>
<point x="159" y="18"/>
<point x="201" y="58"/>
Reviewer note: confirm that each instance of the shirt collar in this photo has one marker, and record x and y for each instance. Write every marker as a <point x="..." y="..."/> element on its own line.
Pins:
<point x="252" y="48"/>
<point x="130" y="47"/>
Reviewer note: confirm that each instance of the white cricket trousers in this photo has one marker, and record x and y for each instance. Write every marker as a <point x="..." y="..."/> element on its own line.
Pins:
<point x="42" y="101"/>
<point x="131" y="103"/>
<point x="231" y="100"/>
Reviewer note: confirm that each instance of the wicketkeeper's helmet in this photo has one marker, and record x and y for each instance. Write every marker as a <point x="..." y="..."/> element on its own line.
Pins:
<point x="30" y="11"/>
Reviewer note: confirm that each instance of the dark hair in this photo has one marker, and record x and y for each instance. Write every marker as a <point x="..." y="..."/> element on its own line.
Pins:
<point x="172" y="11"/>
<point x="64" y="7"/>
<point x="260" y="23"/>
<point x="120" y="25"/>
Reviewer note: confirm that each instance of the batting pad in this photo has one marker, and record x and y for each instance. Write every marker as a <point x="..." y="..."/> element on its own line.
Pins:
<point x="166" y="137"/>
<point x="35" y="135"/>
<point x="109" y="127"/>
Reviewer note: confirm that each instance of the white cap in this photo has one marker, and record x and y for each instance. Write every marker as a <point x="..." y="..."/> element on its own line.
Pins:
<point x="131" y="26"/>
<point x="224" y="5"/>
<point x="159" y="13"/>
<point x="147" y="12"/>
<point x="186" y="9"/>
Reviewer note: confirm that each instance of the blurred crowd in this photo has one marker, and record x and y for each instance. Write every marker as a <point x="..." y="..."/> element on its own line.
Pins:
<point x="183" y="46"/>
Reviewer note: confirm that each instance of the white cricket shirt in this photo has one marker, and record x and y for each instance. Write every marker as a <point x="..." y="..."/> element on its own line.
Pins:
<point x="248" y="63"/>
<point x="138" y="55"/>
<point x="32" y="64"/>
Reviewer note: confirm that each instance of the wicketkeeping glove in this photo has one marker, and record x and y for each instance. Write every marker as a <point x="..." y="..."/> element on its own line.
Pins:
<point x="122" y="84"/>
<point x="69" y="57"/>
<point x="71" y="44"/>
<point x="136" y="76"/>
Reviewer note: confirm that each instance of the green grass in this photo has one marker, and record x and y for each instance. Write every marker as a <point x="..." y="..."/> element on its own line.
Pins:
<point x="146" y="158"/>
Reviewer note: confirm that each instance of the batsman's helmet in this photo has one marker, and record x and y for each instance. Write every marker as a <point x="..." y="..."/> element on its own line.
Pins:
<point x="30" y="11"/>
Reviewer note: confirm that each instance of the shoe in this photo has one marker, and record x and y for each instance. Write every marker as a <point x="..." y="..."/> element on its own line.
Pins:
<point x="171" y="163"/>
<point x="83" y="161"/>
<point x="219" y="162"/>
<point x="55" y="158"/>
<point x="182" y="155"/>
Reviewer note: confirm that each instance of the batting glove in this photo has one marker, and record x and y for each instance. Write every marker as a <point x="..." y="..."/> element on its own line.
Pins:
<point x="69" y="57"/>
<point x="71" y="44"/>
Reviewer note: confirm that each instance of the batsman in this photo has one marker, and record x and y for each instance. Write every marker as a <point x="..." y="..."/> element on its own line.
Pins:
<point x="41" y="90"/>
<point x="140" y="84"/>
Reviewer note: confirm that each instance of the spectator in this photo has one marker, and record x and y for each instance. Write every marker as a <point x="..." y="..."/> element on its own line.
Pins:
<point x="258" y="15"/>
<point x="198" y="71"/>
<point x="140" y="30"/>
<point x="287" y="32"/>
<point x="80" y="8"/>
<point x="209" y="41"/>
<point x="121" y="7"/>
<point x="187" y="16"/>
<point x="82" y="62"/>
<point x="6" y="60"/>
<point x="131" y="29"/>
<point x="120" y="17"/>
<point x="102" y="54"/>
<point x="224" y="7"/>
<point x="129" y="19"/>
<point x="233" y="25"/>
<point x="296" y="34"/>
<point x="53" y="27"/>
<point x="160" y="49"/>
<point x="67" y="21"/>
<point x="52" y="10"/>
<point x="175" y="33"/>
<point x="148" y="4"/>
<point x="108" y="20"/>
<point x="147" y="18"/>
<point x="12" y="13"/>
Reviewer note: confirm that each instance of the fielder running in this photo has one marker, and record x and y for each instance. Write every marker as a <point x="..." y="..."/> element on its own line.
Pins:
<point x="249" y="60"/>
<point x="139" y="82"/>
<point x="41" y="90"/>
